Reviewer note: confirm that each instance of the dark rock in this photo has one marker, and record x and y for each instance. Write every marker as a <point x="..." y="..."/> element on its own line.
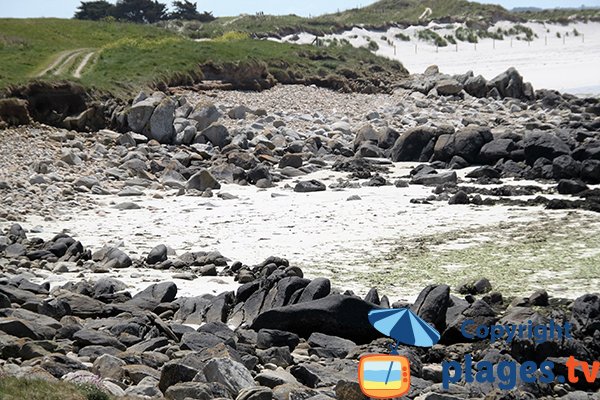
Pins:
<point x="496" y="150"/>
<point x="410" y="145"/>
<point x="268" y="338"/>
<point x="480" y="312"/>
<point x="309" y="186"/>
<point x="26" y="329"/>
<point x="279" y="356"/>
<point x="216" y="134"/>
<point x="539" y="144"/>
<point x="432" y="304"/>
<point x="570" y="186"/>
<point x="203" y="180"/>
<point x="590" y="171"/>
<point x="189" y="390"/>
<point x="586" y="314"/>
<point x="326" y="346"/>
<point x="233" y="375"/>
<point x="291" y="160"/>
<point x="459" y="198"/>
<point x="255" y="393"/>
<point x="484" y="172"/>
<point x="112" y="257"/>
<point x="89" y="337"/>
<point x="539" y="298"/>
<point x="476" y="86"/>
<point x="335" y="315"/>
<point x="466" y="143"/>
<point x="510" y="84"/>
<point x="159" y="292"/>
<point x="316" y="289"/>
<point x="157" y="255"/>
<point x="565" y="167"/>
<point x="435" y="179"/>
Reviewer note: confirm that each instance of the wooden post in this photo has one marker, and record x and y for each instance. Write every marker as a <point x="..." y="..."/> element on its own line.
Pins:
<point x="456" y="47"/>
<point x="494" y="43"/>
<point x="546" y="40"/>
<point x="394" y="49"/>
<point x="475" y="46"/>
<point x="415" y="48"/>
<point x="436" y="48"/>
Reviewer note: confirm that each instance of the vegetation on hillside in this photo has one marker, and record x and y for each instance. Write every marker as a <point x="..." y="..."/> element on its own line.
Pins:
<point x="129" y="56"/>
<point x="38" y="389"/>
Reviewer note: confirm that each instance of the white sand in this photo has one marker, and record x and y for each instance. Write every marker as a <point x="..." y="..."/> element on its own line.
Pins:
<point x="570" y="66"/>
<point x="322" y="232"/>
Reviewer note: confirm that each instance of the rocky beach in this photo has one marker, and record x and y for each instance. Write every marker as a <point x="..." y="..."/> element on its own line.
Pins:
<point x="229" y="244"/>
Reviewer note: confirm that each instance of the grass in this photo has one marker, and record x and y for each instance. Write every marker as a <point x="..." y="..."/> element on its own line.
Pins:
<point x="130" y="56"/>
<point x="558" y="254"/>
<point x="37" y="389"/>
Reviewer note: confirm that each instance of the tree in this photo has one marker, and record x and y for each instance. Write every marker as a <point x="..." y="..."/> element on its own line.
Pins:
<point x="140" y="11"/>
<point x="187" y="10"/>
<point x="94" y="10"/>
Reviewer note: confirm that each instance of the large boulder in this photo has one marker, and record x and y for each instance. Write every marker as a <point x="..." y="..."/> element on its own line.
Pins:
<point x="476" y="86"/>
<point x="204" y="115"/>
<point x="310" y="186"/>
<point x="216" y="134"/>
<point x="337" y="315"/>
<point x="466" y="143"/>
<point x="140" y="113"/>
<point x="496" y="150"/>
<point x="432" y="304"/>
<point x="539" y="144"/>
<point x="411" y="144"/>
<point x="233" y="375"/>
<point x="161" y="121"/>
<point x="203" y="180"/>
<point x="586" y="314"/>
<point x="590" y="171"/>
<point x="510" y="84"/>
<point x="565" y="167"/>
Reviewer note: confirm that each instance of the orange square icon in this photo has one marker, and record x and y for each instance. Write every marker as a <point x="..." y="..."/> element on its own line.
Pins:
<point x="384" y="376"/>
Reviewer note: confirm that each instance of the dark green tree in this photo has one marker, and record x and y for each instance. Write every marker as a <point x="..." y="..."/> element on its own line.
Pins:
<point x="94" y="10"/>
<point x="187" y="10"/>
<point x="140" y="11"/>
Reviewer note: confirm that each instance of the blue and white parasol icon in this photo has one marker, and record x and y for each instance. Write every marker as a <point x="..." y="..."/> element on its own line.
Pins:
<point x="404" y="326"/>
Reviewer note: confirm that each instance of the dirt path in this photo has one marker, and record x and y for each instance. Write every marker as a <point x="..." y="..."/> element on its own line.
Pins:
<point x="65" y="60"/>
<point x="83" y="64"/>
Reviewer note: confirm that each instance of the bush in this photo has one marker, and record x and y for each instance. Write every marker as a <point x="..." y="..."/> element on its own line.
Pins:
<point x="430" y="36"/>
<point x="373" y="46"/>
<point x="232" y="36"/>
<point x="403" y="37"/>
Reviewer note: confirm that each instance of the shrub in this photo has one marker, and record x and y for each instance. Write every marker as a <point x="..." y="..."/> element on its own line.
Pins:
<point x="373" y="46"/>
<point x="232" y="36"/>
<point x="402" y="36"/>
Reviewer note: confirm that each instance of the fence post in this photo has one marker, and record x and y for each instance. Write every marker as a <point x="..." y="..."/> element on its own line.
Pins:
<point x="394" y="49"/>
<point x="436" y="48"/>
<point x="415" y="48"/>
<point x="494" y="43"/>
<point x="475" y="46"/>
